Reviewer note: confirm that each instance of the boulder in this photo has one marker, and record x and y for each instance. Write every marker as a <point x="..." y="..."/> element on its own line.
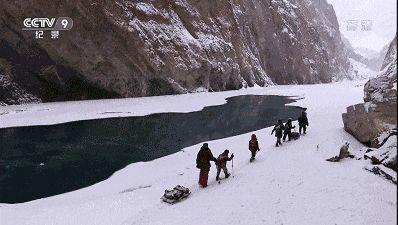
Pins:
<point x="370" y="124"/>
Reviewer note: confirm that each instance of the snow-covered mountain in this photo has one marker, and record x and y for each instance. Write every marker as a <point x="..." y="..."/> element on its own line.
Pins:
<point x="376" y="61"/>
<point x="369" y="53"/>
<point x="366" y="60"/>
<point x="138" y="48"/>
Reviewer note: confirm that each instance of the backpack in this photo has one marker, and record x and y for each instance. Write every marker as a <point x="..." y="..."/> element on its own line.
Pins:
<point x="252" y="145"/>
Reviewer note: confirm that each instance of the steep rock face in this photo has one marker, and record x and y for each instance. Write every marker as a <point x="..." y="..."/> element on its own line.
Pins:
<point x="11" y="93"/>
<point x="138" y="48"/>
<point x="372" y="122"/>
<point x="383" y="88"/>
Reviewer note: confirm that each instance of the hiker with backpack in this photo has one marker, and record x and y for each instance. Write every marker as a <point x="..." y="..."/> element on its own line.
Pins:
<point x="278" y="129"/>
<point x="221" y="163"/>
<point x="203" y="163"/>
<point x="288" y="130"/>
<point x="303" y="122"/>
<point x="253" y="147"/>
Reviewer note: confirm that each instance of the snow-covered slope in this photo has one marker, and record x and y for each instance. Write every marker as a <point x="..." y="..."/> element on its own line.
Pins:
<point x="292" y="184"/>
<point x="361" y="71"/>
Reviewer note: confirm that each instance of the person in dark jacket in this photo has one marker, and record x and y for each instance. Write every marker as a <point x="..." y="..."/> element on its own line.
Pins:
<point x="288" y="130"/>
<point x="203" y="163"/>
<point x="278" y="129"/>
<point x="303" y="122"/>
<point x="253" y="147"/>
<point x="221" y="163"/>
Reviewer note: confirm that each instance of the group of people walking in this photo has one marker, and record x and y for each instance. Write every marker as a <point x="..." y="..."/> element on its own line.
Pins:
<point x="285" y="130"/>
<point x="205" y="156"/>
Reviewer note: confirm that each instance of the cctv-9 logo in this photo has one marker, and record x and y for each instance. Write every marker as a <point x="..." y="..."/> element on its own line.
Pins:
<point x="62" y="23"/>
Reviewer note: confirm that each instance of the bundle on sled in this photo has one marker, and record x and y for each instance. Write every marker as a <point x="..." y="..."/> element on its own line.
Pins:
<point x="177" y="194"/>
<point x="295" y="135"/>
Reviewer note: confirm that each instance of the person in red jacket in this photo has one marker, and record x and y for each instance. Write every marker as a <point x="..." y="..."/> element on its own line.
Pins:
<point x="253" y="147"/>
<point x="221" y="163"/>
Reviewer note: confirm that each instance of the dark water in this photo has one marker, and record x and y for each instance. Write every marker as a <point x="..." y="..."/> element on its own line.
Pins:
<point x="79" y="154"/>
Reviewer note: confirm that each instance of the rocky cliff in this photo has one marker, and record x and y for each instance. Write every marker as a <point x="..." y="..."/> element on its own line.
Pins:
<point x="138" y="48"/>
<point x="371" y="122"/>
<point x="375" y="121"/>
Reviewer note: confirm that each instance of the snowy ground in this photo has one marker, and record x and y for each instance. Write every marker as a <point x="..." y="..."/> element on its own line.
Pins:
<point x="292" y="184"/>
